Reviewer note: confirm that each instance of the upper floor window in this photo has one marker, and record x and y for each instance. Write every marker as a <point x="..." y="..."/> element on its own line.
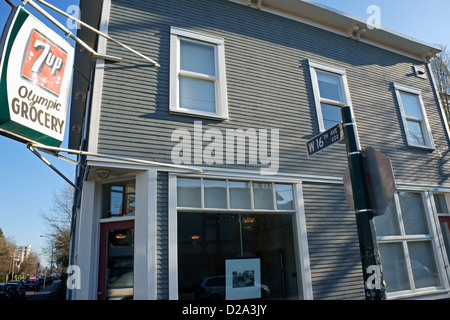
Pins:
<point x="330" y="93"/>
<point x="197" y="74"/>
<point x="414" y="118"/>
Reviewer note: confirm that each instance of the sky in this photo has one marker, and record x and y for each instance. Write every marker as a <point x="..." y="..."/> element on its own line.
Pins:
<point x="27" y="185"/>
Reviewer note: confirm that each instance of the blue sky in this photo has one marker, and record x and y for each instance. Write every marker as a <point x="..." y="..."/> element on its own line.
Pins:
<point x="27" y="184"/>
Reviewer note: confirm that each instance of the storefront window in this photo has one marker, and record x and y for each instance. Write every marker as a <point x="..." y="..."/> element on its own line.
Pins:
<point x="243" y="251"/>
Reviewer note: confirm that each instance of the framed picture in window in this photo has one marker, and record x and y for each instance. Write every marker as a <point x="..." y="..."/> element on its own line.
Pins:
<point x="243" y="279"/>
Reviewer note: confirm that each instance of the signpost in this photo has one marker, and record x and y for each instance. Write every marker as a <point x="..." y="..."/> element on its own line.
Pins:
<point x="325" y="139"/>
<point x="369" y="186"/>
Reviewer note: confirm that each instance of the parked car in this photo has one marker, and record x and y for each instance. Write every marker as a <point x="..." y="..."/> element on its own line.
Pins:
<point x="16" y="289"/>
<point x="4" y="293"/>
<point x="214" y="288"/>
<point x="32" y="285"/>
<point x="48" y="280"/>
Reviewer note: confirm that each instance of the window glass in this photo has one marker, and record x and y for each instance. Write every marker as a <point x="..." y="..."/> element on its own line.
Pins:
<point x="395" y="272"/>
<point x="215" y="193"/>
<point x="423" y="265"/>
<point x="253" y="252"/>
<point x="197" y="57"/>
<point x="197" y="94"/>
<point x="119" y="199"/>
<point x="331" y="115"/>
<point x="413" y="213"/>
<point x="263" y="195"/>
<point x="411" y="105"/>
<point x="119" y="264"/>
<point x="416" y="132"/>
<point x="188" y="193"/>
<point x="330" y="86"/>
<point x="284" y="196"/>
<point x="239" y="194"/>
<point x="441" y="203"/>
<point x="387" y="224"/>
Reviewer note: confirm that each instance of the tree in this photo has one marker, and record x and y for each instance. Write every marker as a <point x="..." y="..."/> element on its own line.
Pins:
<point x="59" y="220"/>
<point x="440" y="66"/>
<point x="6" y="253"/>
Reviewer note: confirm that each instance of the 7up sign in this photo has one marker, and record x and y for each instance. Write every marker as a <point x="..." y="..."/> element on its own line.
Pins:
<point x="35" y="80"/>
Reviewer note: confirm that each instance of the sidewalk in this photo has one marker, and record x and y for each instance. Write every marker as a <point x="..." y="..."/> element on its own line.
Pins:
<point x="43" y="294"/>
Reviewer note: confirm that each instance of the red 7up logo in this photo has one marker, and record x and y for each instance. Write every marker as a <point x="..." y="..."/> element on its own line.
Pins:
<point x="44" y="63"/>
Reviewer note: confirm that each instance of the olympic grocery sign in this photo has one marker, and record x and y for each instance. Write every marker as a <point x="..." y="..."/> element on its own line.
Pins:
<point x="35" y="80"/>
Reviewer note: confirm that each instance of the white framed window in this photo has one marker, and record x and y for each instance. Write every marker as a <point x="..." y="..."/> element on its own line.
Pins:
<point x="409" y="246"/>
<point x="414" y="118"/>
<point x="331" y="93"/>
<point x="197" y="75"/>
<point x="217" y="221"/>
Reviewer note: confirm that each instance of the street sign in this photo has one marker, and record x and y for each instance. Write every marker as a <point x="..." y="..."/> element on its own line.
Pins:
<point x="325" y="139"/>
<point x="380" y="180"/>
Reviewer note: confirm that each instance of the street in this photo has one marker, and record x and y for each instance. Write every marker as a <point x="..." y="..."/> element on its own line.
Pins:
<point x="43" y="293"/>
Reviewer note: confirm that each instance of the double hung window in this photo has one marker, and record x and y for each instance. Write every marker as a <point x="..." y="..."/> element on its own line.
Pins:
<point x="408" y="242"/>
<point x="414" y="118"/>
<point x="330" y="93"/>
<point x="197" y="75"/>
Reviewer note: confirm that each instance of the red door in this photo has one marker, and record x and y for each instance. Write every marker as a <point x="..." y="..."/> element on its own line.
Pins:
<point x="115" y="273"/>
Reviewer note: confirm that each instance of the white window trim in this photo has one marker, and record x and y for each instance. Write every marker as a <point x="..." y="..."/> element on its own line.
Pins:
<point x="313" y="66"/>
<point x="221" y="87"/>
<point x="434" y="237"/>
<point x="429" y="143"/>
<point x="299" y="225"/>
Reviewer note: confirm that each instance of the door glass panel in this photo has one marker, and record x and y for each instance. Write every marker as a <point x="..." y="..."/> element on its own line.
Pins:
<point x="423" y="264"/>
<point x="413" y="213"/>
<point x="119" y="264"/>
<point x="395" y="272"/>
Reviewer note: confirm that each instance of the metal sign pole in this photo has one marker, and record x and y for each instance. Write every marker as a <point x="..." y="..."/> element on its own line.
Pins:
<point x="370" y="256"/>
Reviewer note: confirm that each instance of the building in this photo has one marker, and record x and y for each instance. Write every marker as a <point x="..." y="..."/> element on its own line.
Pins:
<point x="207" y="190"/>
<point x="20" y="254"/>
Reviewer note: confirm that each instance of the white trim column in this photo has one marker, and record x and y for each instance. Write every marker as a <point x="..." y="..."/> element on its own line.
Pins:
<point x="145" y="278"/>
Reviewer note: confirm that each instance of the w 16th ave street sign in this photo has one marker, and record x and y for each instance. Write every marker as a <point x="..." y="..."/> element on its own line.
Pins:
<point x="325" y="139"/>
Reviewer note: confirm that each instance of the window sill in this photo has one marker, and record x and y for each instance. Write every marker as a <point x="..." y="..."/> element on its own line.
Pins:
<point x="199" y="115"/>
<point x="424" y="148"/>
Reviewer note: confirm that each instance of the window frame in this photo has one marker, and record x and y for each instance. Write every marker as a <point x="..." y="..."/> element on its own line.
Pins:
<point x="177" y="34"/>
<point x="425" y="127"/>
<point x="316" y="66"/>
<point x="433" y="237"/>
<point x="299" y="225"/>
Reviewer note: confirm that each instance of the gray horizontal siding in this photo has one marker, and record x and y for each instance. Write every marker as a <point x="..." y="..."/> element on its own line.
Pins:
<point x="162" y="245"/>
<point x="268" y="87"/>
<point x="336" y="270"/>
